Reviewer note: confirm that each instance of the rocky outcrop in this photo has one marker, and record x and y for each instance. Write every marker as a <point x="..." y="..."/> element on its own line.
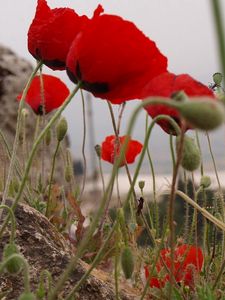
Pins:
<point x="46" y="249"/>
<point x="14" y="72"/>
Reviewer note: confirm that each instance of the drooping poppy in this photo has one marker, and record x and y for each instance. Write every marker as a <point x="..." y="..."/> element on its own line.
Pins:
<point x="53" y="95"/>
<point x="51" y="33"/>
<point x="166" y="85"/>
<point x="110" y="149"/>
<point x="188" y="262"/>
<point x="113" y="59"/>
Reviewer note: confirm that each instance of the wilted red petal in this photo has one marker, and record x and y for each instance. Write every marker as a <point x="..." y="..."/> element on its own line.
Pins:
<point x="55" y="93"/>
<point x="114" y="59"/>
<point x="110" y="150"/>
<point x="51" y="33"/>
<point x="165" y="85"/>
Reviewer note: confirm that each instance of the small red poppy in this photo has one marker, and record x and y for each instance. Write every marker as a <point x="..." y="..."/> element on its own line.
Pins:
<point x="51" y="33"/>
<point x="188" y="262"/>
<point x="166" y="85"/>
<point x="113" y="59"/>
<point x="54" y="94"/>
<point x="110" y="149"/>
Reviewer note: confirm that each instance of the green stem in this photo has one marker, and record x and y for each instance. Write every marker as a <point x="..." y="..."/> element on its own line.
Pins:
<point x="96" y="260"/>
<point x="26" y="269"/>
<point x="83" y="146"/>
<point x="171" y="209"/>
<point x="219" y="275"/>
<point x="16" y="140"/>
<point x="34" y="148"/>
<point x="95" y="221"/>
<point x="13" y="222"/>
<point x="51" y="179"/>
<point x="218" y="19"/>
<point x="172" y="151"/>
<point x="116" y="273"/>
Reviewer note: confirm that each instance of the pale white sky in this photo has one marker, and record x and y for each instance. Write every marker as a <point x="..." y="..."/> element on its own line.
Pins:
<point x="182" y="29"/>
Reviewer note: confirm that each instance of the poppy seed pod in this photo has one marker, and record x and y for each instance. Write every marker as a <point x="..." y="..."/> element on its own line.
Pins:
<point x="191" y="156"/>
<point x="217" y="78"/>
<point x="205" y="181"/>
<point x="202" y="113"/>
<point x="61" y="129"/>
<point x="127" y="262"/>
<point x="14" y="266"/>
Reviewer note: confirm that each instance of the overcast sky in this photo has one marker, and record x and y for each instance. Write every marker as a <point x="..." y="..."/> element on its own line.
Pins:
<point x="182" y="29"/>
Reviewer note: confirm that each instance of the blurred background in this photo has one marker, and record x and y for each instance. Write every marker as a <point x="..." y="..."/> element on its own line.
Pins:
<point x="183" y="31"/>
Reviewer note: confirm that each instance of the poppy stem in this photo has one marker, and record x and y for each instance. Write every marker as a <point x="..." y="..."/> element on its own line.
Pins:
<point x="34" y="149"/>
<point x="84" y="242"/>
<point x="16" y="140"/>
<point x="171" y="209"/>
<point x="218" y="19"/>
<point x="47" y="213"/>
<point x="83" y="146"/>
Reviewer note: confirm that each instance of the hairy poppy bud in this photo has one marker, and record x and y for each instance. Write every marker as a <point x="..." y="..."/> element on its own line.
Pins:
<point x="68" y="173"/>
<point x="141" y="184"/>
<point x="14" y="265"/>
<point x="48" y="137"/>
<point x="191" y="156"/>
<point x="205" y="181"/>
<point x="27" y="296"/>
<point x="203" y="113"/>
<point x="217" y="78"/>
<point x="127" y="262"/>
<point x="98" y="150"/>
<point x="61" y="129"/>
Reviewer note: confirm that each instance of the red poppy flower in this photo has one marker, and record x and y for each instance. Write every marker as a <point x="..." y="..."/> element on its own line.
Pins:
<point x="188" y="261"/>
<point x="166" y="85"/>
<point x="51" y="33"/>
<point x="55" y="93"/>
<point x="113" y="59"/>
<point x="110" y="149"/>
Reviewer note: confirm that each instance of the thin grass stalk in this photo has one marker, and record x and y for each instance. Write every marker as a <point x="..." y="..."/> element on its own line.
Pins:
<point x="97" y="216"/>
<point x="34" y="149"/>
<point x="96" y="260"/>
<point x="16" y="140"/>
<point x="83" y="146"/>
<point x="51" y="180"/>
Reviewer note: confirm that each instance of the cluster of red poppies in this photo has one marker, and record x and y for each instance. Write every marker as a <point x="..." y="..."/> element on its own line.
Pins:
<point x="109" y="56"/>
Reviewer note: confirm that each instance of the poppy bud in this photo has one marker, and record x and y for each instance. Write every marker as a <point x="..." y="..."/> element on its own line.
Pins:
<point x="127" y="262"/>
<point x="203" y="114"/>
<point x="217" y="78"/>
<point x="68" y="175"/>
<point x="98" y="150"/>
<point x="27" y="296"/>
<point x="61" y="129"/>
<point x="25" y="112"/>
<point x="191" y="156"/>
<point x="14" y="265"/>
<point x="141" y="184"/>
<point x="48" y="137"/>
<point x="205" y="181"/>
